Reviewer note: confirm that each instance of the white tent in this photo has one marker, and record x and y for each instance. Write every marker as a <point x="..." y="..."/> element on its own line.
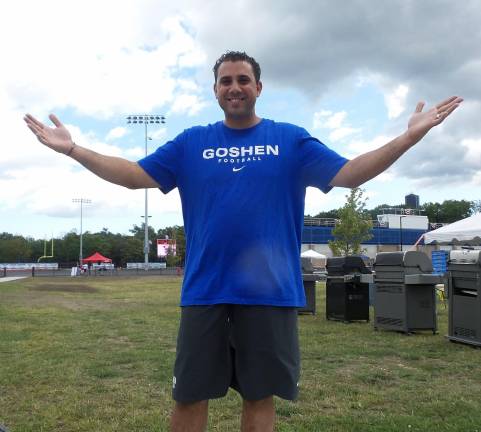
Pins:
<point x="464" y="231"/>
<point x="312" y="254"/>
<point x="318" y="260"/>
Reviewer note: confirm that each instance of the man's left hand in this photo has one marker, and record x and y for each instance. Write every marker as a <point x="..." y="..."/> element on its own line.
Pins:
<point x="421" y="122"/>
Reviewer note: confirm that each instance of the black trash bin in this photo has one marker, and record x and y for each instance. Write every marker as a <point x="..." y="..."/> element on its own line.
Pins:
<point x="405" y="294"/>
<point x="464" y="296"/>
<point x="347" y="289"/>
<point x="309" y="280"/>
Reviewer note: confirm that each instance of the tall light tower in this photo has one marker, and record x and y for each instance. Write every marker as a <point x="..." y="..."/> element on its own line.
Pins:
<point x="82" y="201"/>
<point x="146" y="119"/>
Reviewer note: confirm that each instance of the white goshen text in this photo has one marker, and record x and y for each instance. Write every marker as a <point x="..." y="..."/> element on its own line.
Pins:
<point x="235" y="152"/>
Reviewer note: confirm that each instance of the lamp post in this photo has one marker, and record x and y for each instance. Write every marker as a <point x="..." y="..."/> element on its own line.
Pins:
<point x="146" y="119"/>
<point x="82" y="201"/>
<point x="401" y="231"/>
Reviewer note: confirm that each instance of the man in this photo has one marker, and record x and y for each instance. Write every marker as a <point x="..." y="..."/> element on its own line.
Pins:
<point x="242" y="183"/>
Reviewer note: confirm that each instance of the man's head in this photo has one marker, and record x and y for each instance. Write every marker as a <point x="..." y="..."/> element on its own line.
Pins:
<point x="237" y="86"/>
<point x="235" y="56"/>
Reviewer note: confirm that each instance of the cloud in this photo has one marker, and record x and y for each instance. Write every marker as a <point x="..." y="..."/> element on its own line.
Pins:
<point x="328" y="119"/>
<point x="341" y="133"/>
<point x="473" y="151"/>
<point x="316" y="201"/>
<point x="396" y="101"/>
<point x="334" y="41"/>
<point x="135" y="64"/>
<point x="187" y="104"/>
<point x="357" y="147"/>
<point x="135" y="153"/>
<point x="117" y="132"/>
<point x="47" y="189"/>
<point x="334" y="122"/>
<point x="103" y="59"/>
<point x="411" y="51"/>
<point x="447" y="156"/>
<point x="158" y="134"/>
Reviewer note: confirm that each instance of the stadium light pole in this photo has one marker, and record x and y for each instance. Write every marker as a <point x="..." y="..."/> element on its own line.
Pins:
<point x="146" y="119"/>
<point x="82" y="201"/>
<point x="148" y="241"/>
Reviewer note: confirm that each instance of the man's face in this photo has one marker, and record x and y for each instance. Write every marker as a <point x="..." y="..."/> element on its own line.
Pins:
<point x="236" y="89"/>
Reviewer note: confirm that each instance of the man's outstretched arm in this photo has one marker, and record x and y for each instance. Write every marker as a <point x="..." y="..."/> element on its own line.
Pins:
<point x="368" y="165"/>
<point x="113" y="169"/>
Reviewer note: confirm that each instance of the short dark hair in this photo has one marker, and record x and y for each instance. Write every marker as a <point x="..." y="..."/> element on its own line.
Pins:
<point x="234" y="56"/>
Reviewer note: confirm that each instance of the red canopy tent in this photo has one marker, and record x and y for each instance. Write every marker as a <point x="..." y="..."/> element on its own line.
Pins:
<point x="96" y="258"/>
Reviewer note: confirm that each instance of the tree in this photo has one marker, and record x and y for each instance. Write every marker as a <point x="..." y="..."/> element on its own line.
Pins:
<point x="331" y="214"/>
<point x="449" y="211"/>
<point x="68" y="248"/>
<point x="176" y="233"/>
<point x="14" y="249"/>
<point x="139" y="233"/>
<point x="354" y="225"/>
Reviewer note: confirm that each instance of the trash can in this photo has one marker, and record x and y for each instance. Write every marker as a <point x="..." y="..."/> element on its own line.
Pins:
<point x="405" y="294"/>
<point x="464" y="296"/>
<point x="309" y="280"/>
<point x="347" y="289"/>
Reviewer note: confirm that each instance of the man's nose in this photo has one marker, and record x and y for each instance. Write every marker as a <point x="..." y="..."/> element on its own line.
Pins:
<point x="235" y="86"/>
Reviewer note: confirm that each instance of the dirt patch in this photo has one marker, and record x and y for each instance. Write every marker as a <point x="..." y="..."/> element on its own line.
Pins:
<point x="77" y="288"/>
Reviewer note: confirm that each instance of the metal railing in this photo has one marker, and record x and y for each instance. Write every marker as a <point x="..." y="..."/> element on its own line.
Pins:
<point x="331" y="222"/>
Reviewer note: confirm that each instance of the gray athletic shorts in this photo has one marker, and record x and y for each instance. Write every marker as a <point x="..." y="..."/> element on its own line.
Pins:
<point x="253" y="349"/>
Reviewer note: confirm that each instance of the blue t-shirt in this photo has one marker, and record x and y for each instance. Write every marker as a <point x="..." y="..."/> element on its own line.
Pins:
<point x="242" y="194"/>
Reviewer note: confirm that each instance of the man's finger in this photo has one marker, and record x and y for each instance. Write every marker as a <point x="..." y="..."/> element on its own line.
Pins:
<point x="450" y="110"/>
<point x="32" y="120"/>
<point x="55" y="120"/>
<point x="447" y="102"/>
<point x="34" y="128"/>
<point x="419" y="107"/>
<point x="37" y="132"/>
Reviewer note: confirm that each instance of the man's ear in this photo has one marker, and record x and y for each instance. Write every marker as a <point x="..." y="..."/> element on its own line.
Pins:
<point x="215" y="90"/>
<point x="259" y="88"/>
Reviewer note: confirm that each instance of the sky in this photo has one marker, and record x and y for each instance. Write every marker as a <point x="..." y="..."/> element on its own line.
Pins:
<point x="349" y="72"/>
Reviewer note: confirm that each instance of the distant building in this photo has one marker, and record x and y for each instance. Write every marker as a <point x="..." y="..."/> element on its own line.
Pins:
<point x="411" y="201"/>
<point x="399" y="218"/>
<point x="395" y="229"/>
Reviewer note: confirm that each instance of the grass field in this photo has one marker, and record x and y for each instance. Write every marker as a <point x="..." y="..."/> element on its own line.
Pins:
<point x="96" y="355"/>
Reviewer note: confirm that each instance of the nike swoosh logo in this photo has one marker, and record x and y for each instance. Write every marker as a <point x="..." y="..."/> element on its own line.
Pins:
<point x="238" y="169"/>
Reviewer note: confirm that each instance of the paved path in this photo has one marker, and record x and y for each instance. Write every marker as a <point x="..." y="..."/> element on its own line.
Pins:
<point x="8" y="279"/>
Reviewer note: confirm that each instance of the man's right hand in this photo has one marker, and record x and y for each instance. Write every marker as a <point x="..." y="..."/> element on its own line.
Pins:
<point x="57" y="138"/>
<point x="113" y="169"/>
